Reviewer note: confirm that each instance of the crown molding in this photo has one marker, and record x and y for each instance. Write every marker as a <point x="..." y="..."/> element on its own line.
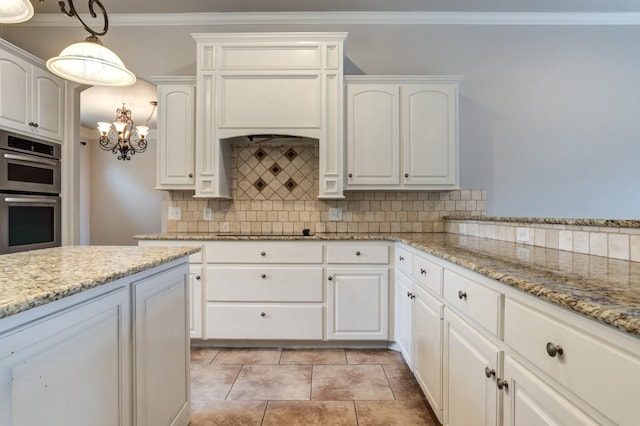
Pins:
<point x="351" y="18"/>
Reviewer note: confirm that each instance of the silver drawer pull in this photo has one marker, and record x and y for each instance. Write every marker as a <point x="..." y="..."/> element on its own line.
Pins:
<point x="462" y="295"/>
<point x="489" y="372"/>
<point x="401" y="259"/>
<point x="31" y="200"/>
<point x="31" y="159"/>
<point x="423" y="271"/>
<point x="502" y="384"/>
<point x="553" y="350"/>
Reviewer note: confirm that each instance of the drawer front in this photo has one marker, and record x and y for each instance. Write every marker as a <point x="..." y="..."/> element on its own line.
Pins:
<point x="358" y="253"/>
<point x="428" y="275"/>
<point x="264" y="252"/>
<point x="264" y="321"/>
<point x="265" y="284"/>
<point x="598" y="372"/>
<point x="479" y="303"/>
<point x="404" y="261"/>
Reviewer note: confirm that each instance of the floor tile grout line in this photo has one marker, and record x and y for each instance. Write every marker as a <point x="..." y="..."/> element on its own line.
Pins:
<point x="386" y="376"/>
<point x="234" y="381"/>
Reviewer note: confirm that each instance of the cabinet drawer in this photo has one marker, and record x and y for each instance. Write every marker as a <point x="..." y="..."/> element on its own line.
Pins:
<point x="404" y="261"/>
<point x="478" y="302"/>
<point x="264" y="321"/>
<point x="600" y="373"/>
<point x="427" y="274"/>
<point x="265" y="284"/>
<point x="264" y="252"/>
<point x="358" y="253"/>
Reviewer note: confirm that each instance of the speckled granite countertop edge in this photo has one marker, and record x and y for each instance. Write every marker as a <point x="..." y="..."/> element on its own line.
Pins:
<point x="602" y="223"/>
<point x="36" y="278"/>
<point x="615" y="317"/>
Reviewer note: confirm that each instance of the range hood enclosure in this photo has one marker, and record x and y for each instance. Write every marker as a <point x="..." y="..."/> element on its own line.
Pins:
<point x="268" y="83"/>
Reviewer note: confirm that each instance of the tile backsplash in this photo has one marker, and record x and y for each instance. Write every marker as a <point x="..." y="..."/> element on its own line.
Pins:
<point x="274" y="187"/>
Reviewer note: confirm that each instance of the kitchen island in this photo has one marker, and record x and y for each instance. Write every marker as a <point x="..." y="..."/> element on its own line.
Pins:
<point x="94" y="335"/>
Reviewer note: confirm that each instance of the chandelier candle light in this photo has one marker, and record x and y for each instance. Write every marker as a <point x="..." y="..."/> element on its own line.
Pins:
<point x="121" y="138"/>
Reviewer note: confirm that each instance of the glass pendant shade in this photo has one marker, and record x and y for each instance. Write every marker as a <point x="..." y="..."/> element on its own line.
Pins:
<point x="15" y="11"/>
<point x="104" y="127"/>
<point x="89" y="62"/>
<point x="143" y="131"/>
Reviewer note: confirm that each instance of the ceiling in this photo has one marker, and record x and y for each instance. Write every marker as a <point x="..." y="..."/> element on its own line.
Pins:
<point x="194" y="6"/>
<point x="99" y="103"/>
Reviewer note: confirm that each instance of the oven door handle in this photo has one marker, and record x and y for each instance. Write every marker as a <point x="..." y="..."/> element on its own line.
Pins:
<point x="30" y="200"/>
<point x="30" y="159"/>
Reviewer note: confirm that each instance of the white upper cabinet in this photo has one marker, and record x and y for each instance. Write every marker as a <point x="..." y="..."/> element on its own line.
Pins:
<point x="31" y="98"/>
<point x="176" y="133"/>
<point x="402" y="132"/>
<point x="268" y="83"/>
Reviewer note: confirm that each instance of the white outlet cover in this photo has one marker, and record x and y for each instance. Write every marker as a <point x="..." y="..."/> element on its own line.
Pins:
<point x="175" y="213"/>
<point x="335" y="213"/>
<point x="462" y="228"/>
<point x="522" y="235"/>
<point x="206" y="214"/>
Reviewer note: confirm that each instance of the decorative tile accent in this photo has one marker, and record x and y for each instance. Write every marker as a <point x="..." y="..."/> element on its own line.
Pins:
<point x="291" y="154"/>
<point x="290" y="184"/>
<point x="260" y="154"/>
<point x="259" y="184"/>
<point x="275" y="169"/>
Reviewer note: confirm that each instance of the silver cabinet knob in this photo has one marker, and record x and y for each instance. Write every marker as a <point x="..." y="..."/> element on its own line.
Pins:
<point x="489" y="372"/>
<point x="357" y="253"/>
<point x="350" y="174"/>
<point x="401" y="259"/>
<point x="554" y="350"/>
<point x="502" y="384"/>
<point x="330" y="278"/>
<point x="462" y="295"/>
<point x="263" y="276"/>
<point x="198" y="277"/>
<point x="190" y="175"/>
<point x="32" y="124"/>
<point x="406" y="175"/>
<point x="263" y="254"/>
<point x="423" y="271"/>
<point x="262" y="314"/>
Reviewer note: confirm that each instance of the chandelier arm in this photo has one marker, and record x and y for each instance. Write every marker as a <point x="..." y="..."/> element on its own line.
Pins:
<point x="72" y="12"/>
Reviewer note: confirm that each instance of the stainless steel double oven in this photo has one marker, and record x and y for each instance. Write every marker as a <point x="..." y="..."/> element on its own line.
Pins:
<point x="29" y="194"/>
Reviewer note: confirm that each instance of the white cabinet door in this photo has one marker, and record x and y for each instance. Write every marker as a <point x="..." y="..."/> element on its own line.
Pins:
<point x="358" y="303"/>
<point x="176" y="138"/>
<point x="196" y="284"/>
<point x="69" y="368"/>
<point x="429" y="134"/>
<point x="531" y="402"/>
<point x="403" y="316"/>
<point x="427" y="347"/>
<point x="161" y="342"/>
<point x="47" y="108"/>
<point x="373" y="134"/>
<point x="470" y="397"/>
<point x="15" y="95"/>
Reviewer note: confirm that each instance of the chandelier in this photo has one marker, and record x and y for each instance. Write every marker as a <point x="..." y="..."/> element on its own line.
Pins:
<point x="121" y="138"/>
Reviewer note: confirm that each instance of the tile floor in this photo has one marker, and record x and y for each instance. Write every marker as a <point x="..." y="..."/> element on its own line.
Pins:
<point x="277" y="387"/>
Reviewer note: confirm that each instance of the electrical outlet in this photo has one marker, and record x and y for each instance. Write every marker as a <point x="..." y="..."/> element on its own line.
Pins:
<point x="462" y="228"/>
<point x="175" y="213"/>
<point x="522" y="235"/>
<point x="335" y="213"/>
<point x="206" y="215"/>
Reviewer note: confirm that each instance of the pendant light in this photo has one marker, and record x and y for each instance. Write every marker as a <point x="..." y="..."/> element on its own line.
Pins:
<point x="15" y="11"/>
<point x="89" y="62"/>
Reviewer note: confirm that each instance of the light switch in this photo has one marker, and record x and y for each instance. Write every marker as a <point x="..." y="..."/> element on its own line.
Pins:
<point x="522" y="235"/>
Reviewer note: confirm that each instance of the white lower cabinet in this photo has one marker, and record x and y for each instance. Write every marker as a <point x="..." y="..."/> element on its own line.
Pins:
<point x="427" y="347"/>
<point x="196" y="280"/>
<point x="161" y="350"/>
<point x="70" y="368"/>
<point x="403" y="316"/>
<point x="358" y="303"/>
<point x="471" y="364"/>
<point x="529" y="401"/>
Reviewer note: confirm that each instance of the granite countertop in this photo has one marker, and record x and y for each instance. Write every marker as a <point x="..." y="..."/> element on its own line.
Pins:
<point x="601" y="223"/>
<point x="604" y="289"/>
<point x="33" y="278"/>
